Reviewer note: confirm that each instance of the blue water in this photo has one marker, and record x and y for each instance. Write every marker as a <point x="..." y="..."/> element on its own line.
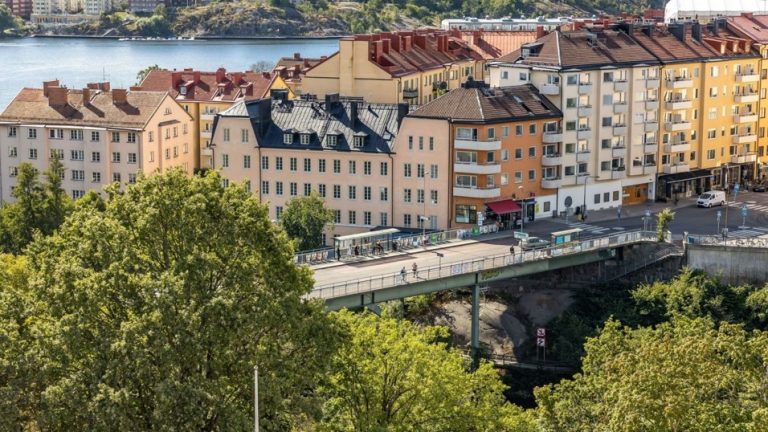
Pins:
<point x="28" y="62"/>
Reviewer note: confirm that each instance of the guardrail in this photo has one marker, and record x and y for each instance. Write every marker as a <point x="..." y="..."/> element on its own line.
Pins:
<point x="454" y="268"/>
<point x="756" y="242"/>
<point x="634" y="265"/>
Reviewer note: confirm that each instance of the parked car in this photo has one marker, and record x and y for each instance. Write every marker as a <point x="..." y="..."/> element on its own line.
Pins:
<point x="758" y="188"/>
<point x="533" y="243"/>
<point x="711" y="198"/>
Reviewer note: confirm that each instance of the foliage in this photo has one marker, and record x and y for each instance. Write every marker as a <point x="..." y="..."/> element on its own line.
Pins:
<point x="263" y="66"/>
<point x="663" y="219"/>
<point x="304" y="220"/>
<point x="8" y="21"/>
<point x="149" y="311"/>
<point x="395" y="376"/>
<point x="683" y="375"/>
<point x="144" y="72"/>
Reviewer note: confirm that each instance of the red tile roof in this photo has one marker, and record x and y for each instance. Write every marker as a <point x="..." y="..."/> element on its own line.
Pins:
<point x="751" y="26"/>
<point x="683" y="46"/>
<point x="209" y="86"/>
<point x="494" y="44"/>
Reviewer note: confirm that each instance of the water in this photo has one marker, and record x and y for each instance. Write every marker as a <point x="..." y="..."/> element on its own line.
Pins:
<point x="28" y="62"/>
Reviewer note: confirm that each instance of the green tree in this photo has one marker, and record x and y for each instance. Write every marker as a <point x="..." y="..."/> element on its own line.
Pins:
<point x="154" y="312"/>
<point x="683" y="375"/>
<point x="144" y="72"/>
<point x="663" y="219"/>
<point x="22" y="218"/>
<point x="8" y="21"/>
<point x="395" y="376"/>
<point x="304" y="219"/>
<point x="58" y="203"/>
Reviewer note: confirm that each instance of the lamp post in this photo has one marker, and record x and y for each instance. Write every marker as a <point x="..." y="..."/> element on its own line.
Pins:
<point x="256" y="399"/>
<point x="522" y="213"/>
<point x="584" y="205"/>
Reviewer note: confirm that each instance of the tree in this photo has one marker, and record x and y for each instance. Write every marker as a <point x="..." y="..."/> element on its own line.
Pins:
<point x="21" y="218"/>
<point x="304" y="220"/>
<point x="58" y="203"/>
<point x="663" y="219"/>
<point x="262" y="66"/>
<point x="683" y="375"/>
<point x="395" y="376"/>
<point x="155" y="310"/>
<point x="144" y="72"/>
<point x="8" y="21"/>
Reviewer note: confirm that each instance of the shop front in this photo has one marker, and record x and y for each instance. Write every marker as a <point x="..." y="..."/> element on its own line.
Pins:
<point x="684" y="185"/>
<point x="508" y="213"/>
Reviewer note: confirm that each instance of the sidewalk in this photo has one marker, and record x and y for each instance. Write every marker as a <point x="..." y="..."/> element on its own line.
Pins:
<point x="416" y="250"/>
<point x="630" y="211"/>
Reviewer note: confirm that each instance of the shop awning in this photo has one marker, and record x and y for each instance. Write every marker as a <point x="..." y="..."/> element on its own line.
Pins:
<point x="672" y="178"/>
<point x="504" y="206"/>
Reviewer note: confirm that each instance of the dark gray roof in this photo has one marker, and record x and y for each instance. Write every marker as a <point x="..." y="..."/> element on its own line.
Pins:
<point x="377" y="122"/>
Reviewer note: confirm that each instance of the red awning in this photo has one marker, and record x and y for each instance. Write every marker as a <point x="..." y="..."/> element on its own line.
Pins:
<point x="504" y="207"/>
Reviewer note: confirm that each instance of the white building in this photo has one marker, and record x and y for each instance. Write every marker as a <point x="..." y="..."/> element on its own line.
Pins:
<point x="705" y="10"/>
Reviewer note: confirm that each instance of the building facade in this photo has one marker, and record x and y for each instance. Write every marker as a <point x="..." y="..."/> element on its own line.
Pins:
<point x="101" y="135"/>
<point x="20" y="8"/>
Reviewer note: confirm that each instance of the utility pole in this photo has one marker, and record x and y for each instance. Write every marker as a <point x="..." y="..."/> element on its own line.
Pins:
<point x="256" y="399"/>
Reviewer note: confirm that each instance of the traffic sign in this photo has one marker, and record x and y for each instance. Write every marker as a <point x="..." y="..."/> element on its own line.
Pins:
<point x="647" y="213"/>
<point x="744" y="211"/>
<point x="719" y="214"/>
<point x="541" y="332"/>
<point x="541" y="342"/>
<point x="736" y="188"/>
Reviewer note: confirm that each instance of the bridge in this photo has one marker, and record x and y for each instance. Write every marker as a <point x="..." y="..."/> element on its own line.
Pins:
<point x="339" y="287"/>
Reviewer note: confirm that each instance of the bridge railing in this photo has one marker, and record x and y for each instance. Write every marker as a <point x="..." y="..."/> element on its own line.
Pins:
<point x="756" y="242"/>
<point x="455" y="268"/>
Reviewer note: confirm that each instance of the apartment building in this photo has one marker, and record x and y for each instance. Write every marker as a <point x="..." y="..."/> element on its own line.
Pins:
<point x="56" y="12"/>
<point x="289" y="72"/>
<point x="204" y="94"/>
<point x="342" y="149"/>
<point x="101" y="135"/>
<point x="20" y="8"/>
<point x="606" y="86"/>
<point x="709" y="106"/>
<point x="413" y="67"/>
<point x="505" y="152"/>
<point x="755" y="28"/>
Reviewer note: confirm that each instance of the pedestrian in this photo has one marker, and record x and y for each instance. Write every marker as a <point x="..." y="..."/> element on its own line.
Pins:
<point x="357" y="250"/>
<point x="403" y="273"/>
<point x="512" y="249"/>
<point x="338" y="254"/>
<point x="415" y="270"/>
<point x="394" y="246"/>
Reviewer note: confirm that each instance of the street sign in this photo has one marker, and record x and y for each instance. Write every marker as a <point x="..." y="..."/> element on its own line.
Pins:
<point x="541" y="342"/>
<point x="736" y="188"/>
<point x="744" y="211"/>
<point x="719" y="214"/>
<point x="520" y="235"/>
<point x="541" y="332"/>
<point x="647" y="213"/>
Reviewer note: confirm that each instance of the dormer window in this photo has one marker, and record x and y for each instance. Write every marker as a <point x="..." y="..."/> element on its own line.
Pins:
<point x="305" y="138"/>
<point x="288" y="138"/>
<point x="332" y="140"/>
<point x="183" y="90"/>
<point x="360" y="139"/>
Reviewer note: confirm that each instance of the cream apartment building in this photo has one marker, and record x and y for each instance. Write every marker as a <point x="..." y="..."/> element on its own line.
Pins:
<point x="341" y="149"/>
<point x="101" y="136"/>
<point x="607" y="88"/>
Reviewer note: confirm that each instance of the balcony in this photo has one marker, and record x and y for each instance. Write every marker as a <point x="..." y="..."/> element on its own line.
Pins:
<point x="476" y="192"/>
<point x="550" y="89"/>
<point x="746" y="97"/>
<point x="650" y="147"/>
<point x="652" y="105"/>
<point x="206" y="151"/>
<point x="581" y="178"/>
<point x="649" y="168"/>
<point x="679" y="83"/>
<point x="466" y="144"/>
<point x="621" y="86"/>
<point x="585" y="111"/>
<point x="551" y="160"/>
<point x="618" y="151"/>
<point x="620" y="107"/>
<point x="677" y="147"/>
<point x="677" y="167"/>
<point x="585" y="88"/>
<point x="744" y="139"/>
<point x="207" y="115"/>
<point x="475" y="168"/>
<point x="747" y="77"/>
<point x="652" y="83"/>
<point x="585" y="133"/>
<point x="551" y="183"/>
<point x="676" y="126"/>
<point x="619" y="129"/>
<point x="410" y="94"/>
<point x="618" y="173"/>
<point x="205" y="133"/>
<point x="744" y="158"/>
<point x="651" y="125"/>
<point x="552" y="137"/>
<point x="745" y="118"/>
<point x="583" y="156"/>
<point x="678" y="104"/>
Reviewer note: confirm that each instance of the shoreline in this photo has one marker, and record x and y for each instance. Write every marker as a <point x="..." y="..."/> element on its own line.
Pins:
<point x="197" y="38"/>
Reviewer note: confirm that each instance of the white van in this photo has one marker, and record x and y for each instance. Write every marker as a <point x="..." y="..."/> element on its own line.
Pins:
<point x="711" y="198"/>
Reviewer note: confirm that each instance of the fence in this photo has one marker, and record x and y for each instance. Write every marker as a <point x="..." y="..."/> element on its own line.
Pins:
<point x="455" y="268"/>
<point x="756" y="242"/>
<point x="634" y="265"/>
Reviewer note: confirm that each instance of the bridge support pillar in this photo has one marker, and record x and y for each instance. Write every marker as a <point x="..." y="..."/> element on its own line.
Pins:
<point x="475" y="339"/>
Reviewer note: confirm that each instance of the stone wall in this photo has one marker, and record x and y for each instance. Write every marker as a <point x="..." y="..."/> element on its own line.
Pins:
<point x="732" y="264"/>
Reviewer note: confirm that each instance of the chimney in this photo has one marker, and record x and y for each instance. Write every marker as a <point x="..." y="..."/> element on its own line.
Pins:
<point x="175" y="80"/>
<point x="262" y="115"/>
<point x="249" y="89"/>
<point x="196" y="77"/>
<point x="476" y="37"/>
<point x="221" y="74"/>
<point x="297" y="56"/>
<point x="331" y="99"/>
<point x="105" y="86"/>
<point x="539" y="32"/>
<point x="296" y="71"/>
<point x="135" y="88"/>
<point x="407" y="43"/>
<point x="119" y="96"/>
<point x="377" y="49"/>
<point x="237" y="77"/>
<point x="57" y="96"/>
<point x="306" y="63"/>
<point x="420" y="41"/>
<point x="394" y="43"/>
<point x="266" y="75"/>
<point x="86" y="96"/>
<point x="678" y="31"/>
<point x="696" y="31"/>
<point x="402" y="111"/>
<point x="385" y="46"/>
<point x="49" y="84"/>
<point x="352" y="114"/>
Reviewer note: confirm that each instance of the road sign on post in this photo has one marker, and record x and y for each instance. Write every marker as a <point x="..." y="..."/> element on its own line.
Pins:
<point x="541" y="342"/>
<point x="719" y="215"/>
<point x="743" y="217"/>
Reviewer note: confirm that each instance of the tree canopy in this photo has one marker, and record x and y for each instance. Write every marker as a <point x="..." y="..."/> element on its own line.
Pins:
<point x="304" y="219"/>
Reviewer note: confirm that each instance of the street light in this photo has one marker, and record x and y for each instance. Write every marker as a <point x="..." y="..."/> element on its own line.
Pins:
<point x="522" y="214"/>
<point x="584" y="205"/>
<point x="256" y="398"/>
<point x="423" y="220"/>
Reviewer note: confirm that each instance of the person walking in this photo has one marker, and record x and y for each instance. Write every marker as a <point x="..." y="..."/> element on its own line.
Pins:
<point x="338" y="254"/>
<point x="403" y="273"/>
<point x="512" y="249"/>
<point x="415" y="270"/>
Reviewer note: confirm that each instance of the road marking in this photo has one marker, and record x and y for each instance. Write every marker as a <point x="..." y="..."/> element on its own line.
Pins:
<point x="744" y="233"/>
<point x="589" y="228"/>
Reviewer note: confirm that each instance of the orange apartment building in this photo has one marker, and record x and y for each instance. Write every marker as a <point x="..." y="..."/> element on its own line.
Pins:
<point x="500" y="169"/>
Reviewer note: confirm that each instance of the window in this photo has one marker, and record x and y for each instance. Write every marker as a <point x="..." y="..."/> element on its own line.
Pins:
<point x="518" y="176"/>
<point x="167" y="153"/>
<point x="406" y="220"/>
<point x="247" y="186"/>
<point x="531" y="152"/>
<point x="710" y="154"/>
<point x="95" y="136"/>
<point x="226" y="135"/>
<point x="433" y="197"/>
<point x="431" y="143"/>
<point x="420" y="170"/>
<point x="293" y="164"/>
<point x="293" y="188"/>
<point x="265" y="162"/>
<point x="352" y="192"/>
<point x="531" y="175"/>
<point x="131" y="137"/>
<point x="366" y="193"/>
<point x="14" y="171"/>
<point x="572" y="79"/>
<point x="505" y="75"/>
<point x="321" y="165"/>
<point x="96" y="176"/>
<point x="33" y="153"/>
<point x="116" y="177"/>
<point x="337" y="216"/>
<point x="384" y="168"/>
<point x="383" y="219"/>
<point x="76" y="135"/>
<point x="410" y="142"/>
<point x="32" y="134"/>
<point x="407" y="170"/>
<point x="279" y="188"/>
<point x="337" y="191"/>
<point x="307" y="165"/>
<point x="532" y="128"/>
<point x="367" y="168"/>
<point x="278" y="212"/>
<point x="78" y="194"/>
<point x="225" y="161"/>
<point x="279" y="163"/>
<point x="336" y="166"/>
<point x="321" y="189"/>
<point x="466" y="214"/>
<point x="366" y="218"/>
<point x="421" y="143"/>
<point x="607" y="76"/>
<point x="78" y="175"/>
<point x="352" y="217"/>
<point x="307" y="189"/>
<point x="13" y="152"/>
<point x="304" y="138"/>
<point x="607" y="121"/>
<point x="523" y="76"/>
<point x="288" y="138"/>
<point x="243" y="134"/>
<point x="352" y="167"/>
<point x="56" y="133"/>
<point x="12" y="131"/>
<point x="77" y="155"/>
<point x="383" y="194"/>
<point x="265" y="187"/>
<point x="420" y="196"/>
<point x="597" y="198"/>
<point x="433" y="171"/>
<point x="491" y="133"/>
<point x="712" y="134"/>
<point x="407" y="195"/>
<point x="246" y="161"/>
<point x="518" y="130"/>
<point x="714" y="71"/>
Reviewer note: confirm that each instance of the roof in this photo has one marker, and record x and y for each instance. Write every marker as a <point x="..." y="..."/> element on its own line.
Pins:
<point x="31" y="105"/>
<point x="581" y="49"/>
<point x="377" y="122"/>
<point x="297" y="60"/>
<point x="669" y="47"/>
<point x="751" y="26"/>
<point x="516" y="103"/>
<point x="494" y="44"/>
<point x="408" y="52"/>
<point x="209" y="86"/>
